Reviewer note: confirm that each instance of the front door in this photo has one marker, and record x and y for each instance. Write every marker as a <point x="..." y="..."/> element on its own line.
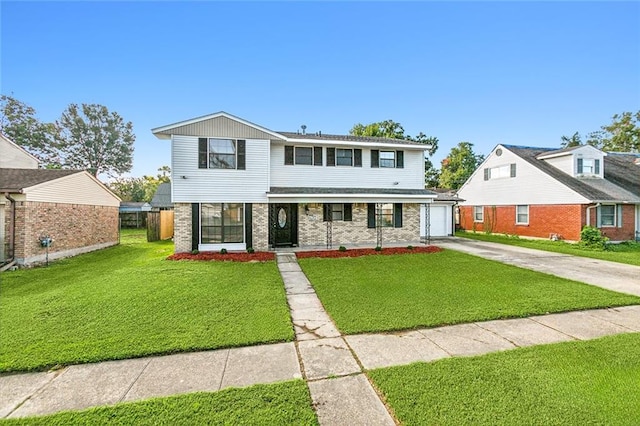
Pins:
<point x="284" y="223"/>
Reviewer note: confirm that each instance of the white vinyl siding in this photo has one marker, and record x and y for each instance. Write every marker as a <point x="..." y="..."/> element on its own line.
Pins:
<point x="530" y="186"/>
<point x="14" y="157"/>
<point x="409" y="177"/>
<point x="78" y="188"/>
<point x="522" y="215"/>
<point x="191" y="184"/>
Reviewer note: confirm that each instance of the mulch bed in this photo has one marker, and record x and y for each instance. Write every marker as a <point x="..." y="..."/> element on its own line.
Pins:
<point x="263" y="256"/>
<point x="367" y="252"/>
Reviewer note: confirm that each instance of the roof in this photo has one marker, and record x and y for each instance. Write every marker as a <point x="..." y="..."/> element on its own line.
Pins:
<point x="134" y="206"/>
<point x="350" y="191"/>
<point x="443" y="194"/>
<point x="347" y="138"/>
<point x="162" y="197"/>
<point x="16" y="180"/>
<point x="621" y="181"/>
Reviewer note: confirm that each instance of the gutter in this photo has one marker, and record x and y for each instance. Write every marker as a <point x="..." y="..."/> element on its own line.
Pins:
<point x="12" y="232"/>
<point x="589" y="213"/>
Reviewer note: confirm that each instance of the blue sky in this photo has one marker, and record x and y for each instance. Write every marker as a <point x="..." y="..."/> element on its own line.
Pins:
<point x="522" y="73"/>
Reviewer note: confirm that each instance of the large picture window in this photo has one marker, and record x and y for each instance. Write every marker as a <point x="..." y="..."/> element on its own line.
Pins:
<point x="221" y="223"/>
<point x="221" y="153"/>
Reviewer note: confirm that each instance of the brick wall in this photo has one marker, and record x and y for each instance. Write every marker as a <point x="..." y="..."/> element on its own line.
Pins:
<point x="312" y="231"/>
<point x="567" y="220"/>
<point x="182" y="227"/>
<point x="75" y="229"/>
<point x="260" y="225"/>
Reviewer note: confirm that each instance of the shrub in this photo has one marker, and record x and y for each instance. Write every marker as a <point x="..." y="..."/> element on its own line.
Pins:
<point x="409" y="247"/>
<point x="378" y="248"/>
<point x="342" y="248"/>
<point x="223" y="251"/>
<point x="250" y="250"/>
<point x="591" y="237"/>
<point x="195" y="251"/>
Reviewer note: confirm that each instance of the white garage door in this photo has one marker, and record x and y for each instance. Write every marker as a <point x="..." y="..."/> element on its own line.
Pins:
<point x="440" y="221"/>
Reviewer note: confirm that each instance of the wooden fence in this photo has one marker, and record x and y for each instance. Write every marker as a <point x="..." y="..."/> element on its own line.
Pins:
<point x="160" y="225"/>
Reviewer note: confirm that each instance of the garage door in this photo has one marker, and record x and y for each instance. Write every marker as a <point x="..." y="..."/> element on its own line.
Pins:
<point x="440" y="221"/>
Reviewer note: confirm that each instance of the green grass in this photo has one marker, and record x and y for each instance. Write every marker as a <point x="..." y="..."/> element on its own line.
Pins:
<point x="377" y="293"/>
<point x="628" y="252"/>
<point x="128" y="301"/>
<point x="275" y="404"/>
<point x="577" y="383"/>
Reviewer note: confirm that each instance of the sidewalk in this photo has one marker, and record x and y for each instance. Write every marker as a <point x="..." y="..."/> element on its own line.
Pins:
<point x="332" y="364"/>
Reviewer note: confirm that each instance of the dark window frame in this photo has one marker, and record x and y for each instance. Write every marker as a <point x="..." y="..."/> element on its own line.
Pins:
<point x="236" y="230"/>
<point x="207" y="158"/>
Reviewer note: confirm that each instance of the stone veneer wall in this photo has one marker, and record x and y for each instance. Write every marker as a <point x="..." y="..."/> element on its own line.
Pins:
<point x="74" y="228"/>
<point x="182" y="227"/>
<point x="260" y="226"/>
<point x="313" y="231"/>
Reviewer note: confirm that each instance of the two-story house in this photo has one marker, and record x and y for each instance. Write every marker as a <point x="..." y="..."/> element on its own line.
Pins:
<point x="237" y="185"/>
<point x="553" y="193"/>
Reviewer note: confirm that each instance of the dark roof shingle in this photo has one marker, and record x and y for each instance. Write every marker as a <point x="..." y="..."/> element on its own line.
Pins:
<point x="347" y="138"/>
<point x="15" y="180"/>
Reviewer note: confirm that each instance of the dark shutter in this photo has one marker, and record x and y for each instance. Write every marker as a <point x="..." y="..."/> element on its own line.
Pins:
<point x="579" y="165"/>
<point x="487" y="173"/>
<point x="326" y="212"/>
<point x="375" y="158"/>
<point x="195" y="225"/>
<point x="288" y="155"/>
<point x="331" y="156"/>
<point x="619" y="208"/>
<point x="241" y="149"/>
<point x="347" y="213"/>
<point x="317" y="156"/>
<point x="203" y="162"/>
<point x="596" y="167"/>
<point x="357" y="158"/>
<point x="397" y="215"/>
<point x="399" y="159"/>
<point x="371" y="215"/>
<point x="248" y="225"/>
<point x="513" y="169"/>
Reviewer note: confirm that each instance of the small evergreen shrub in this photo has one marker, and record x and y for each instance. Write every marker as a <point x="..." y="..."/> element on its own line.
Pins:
<point x="342" y="248"/>
<point x="223" y="251"/>
<point x="250" y="250"/>
<point x="592" y="238"/>
<point x="378" y="248"/>
<point x="195" y="251"/>
<point x="409" y="247"/>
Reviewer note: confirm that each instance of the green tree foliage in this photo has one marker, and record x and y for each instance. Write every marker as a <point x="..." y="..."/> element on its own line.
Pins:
<point x="393" y="130"/>
<point x="622" y="135"/>
<point x="19" y="123"/>
<point x="458" y="166"/>
<point x="142" y="188"/>
<point x="95" y="139"/>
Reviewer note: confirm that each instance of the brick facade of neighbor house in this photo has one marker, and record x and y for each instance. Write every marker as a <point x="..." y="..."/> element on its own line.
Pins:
<point x="74" y="228"/>
<point x="313" y="231"/>
<point x="565" y="220"/>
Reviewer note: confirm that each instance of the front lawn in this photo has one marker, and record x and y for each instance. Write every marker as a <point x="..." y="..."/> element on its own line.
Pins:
<point x="275" y="404"/>
<point x="128" y="301"/>
<point x="378" y="293"/>
<point x="576" y="383"/>
<point x="628" y="252"/>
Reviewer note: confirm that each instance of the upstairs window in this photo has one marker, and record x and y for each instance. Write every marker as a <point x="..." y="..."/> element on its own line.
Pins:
<point x="387" y="159"/>
<point x="499" y="172"/>
<point x="344" y="157"/>
<point x="303" y="155"/>
<point x="221" y="153"/>
<point x="588" y="166"/>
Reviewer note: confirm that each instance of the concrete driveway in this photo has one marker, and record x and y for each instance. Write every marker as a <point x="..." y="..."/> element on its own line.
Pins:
<point x="610" y="275"/>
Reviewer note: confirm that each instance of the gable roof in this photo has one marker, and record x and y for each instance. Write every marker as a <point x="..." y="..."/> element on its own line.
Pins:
<point x="162" y="197"/>
<point x="16" y="180"/>
<point x="621" y="182"/>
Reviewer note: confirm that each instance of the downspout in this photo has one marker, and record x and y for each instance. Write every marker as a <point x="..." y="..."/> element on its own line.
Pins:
<point x="12" y="233"/>
<point x="589" y="213"/>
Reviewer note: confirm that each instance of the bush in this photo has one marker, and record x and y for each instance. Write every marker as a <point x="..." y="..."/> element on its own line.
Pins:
<point x="342" y="248"/>
<point x="591" y="237"/>
<point x="195" y="251"/>
<point x="409" y="247"/>
<point x="378" y="248"/>
<point x="223" y="251"/>
<point x="250" y="250"/>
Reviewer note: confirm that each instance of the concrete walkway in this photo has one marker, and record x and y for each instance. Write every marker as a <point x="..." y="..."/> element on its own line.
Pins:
<point x="610" y="275"/>
<point x="332" y="364"/>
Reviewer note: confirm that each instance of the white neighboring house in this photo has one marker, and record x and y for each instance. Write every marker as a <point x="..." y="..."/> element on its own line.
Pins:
<point x="237" y="185"/>
<point x="554" y="193"/>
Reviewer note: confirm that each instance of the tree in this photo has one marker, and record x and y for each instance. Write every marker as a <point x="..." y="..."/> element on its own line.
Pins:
<point x="382" y="129"/>
<point x="459" y="165"/>
<point x="95" y="139"/>
<point x="140" y="189"/>
<point x="19" y="123"/>
<point x="431" y="174"/>
<point x="568" y="142"/>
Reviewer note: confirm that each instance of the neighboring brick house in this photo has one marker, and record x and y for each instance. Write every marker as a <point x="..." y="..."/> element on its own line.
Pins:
<point x="554" y="193"/>
<point x="71" y="207"/>
<point x="237" y="185"/>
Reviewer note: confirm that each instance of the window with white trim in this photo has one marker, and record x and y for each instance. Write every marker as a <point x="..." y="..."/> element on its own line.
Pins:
<point x="500" y="172"/>
<point x="478" y="213"/>
<point x="588" y="166"/>
<point x="522" y="215"/>
<point x="607" y="215"/>
<point x="344" y="157"/>
<point x="304" y="155"/>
